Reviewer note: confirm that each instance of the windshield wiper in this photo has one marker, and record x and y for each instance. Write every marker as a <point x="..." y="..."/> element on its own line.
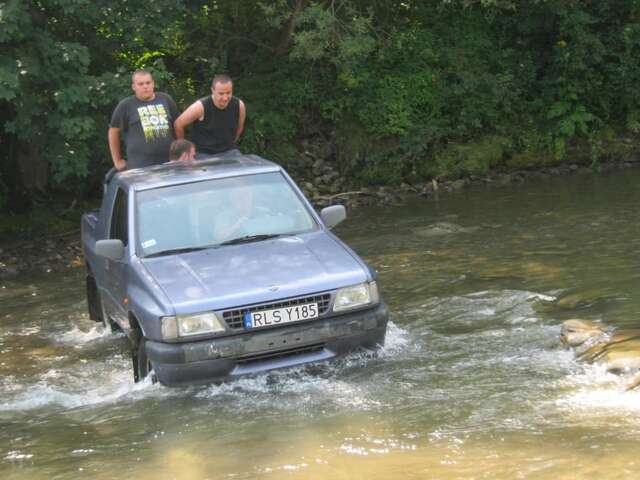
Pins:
<point x="251" y="238"/>
<point x="176" y="251"/>
<point x="233" y="241"/>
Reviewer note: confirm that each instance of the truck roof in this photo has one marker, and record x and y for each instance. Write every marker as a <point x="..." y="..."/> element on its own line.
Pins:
<point x="173" y="173"/>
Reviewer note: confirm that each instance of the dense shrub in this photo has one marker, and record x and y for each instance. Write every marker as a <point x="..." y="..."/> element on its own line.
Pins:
<point x="401" y="90"/>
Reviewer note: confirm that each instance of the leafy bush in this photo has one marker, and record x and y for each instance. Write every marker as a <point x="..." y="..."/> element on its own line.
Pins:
<point x="472" y="158"/>
<point x="401" y="90"/>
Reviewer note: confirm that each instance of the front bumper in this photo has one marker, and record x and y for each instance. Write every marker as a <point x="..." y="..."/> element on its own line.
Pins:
<point x="262" y="350"/>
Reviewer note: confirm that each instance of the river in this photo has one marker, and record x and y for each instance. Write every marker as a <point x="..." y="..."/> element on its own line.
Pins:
<point x="472" y="382"/>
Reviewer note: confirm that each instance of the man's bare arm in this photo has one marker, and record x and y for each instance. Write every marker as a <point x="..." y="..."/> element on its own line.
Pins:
<point x="114" y="148"/>
<point x="194" y="112"/>
<point x="241" y="119"/>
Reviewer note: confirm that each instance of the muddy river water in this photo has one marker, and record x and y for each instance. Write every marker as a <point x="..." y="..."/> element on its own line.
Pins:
<point x="472" y="382"/>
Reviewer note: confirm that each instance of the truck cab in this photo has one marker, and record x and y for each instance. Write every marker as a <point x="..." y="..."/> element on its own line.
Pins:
<point x="220" y="268"/>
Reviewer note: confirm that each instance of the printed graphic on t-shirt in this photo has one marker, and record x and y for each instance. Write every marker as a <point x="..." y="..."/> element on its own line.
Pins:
<point x="154" y="121"/>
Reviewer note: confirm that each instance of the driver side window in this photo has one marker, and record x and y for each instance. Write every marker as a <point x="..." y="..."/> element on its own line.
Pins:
<point x="119" y="219"/>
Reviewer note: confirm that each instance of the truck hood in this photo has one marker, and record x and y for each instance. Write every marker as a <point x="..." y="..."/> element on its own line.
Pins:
<point x="237" y="275"/>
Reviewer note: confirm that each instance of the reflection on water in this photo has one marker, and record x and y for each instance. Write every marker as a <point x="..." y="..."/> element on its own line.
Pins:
<point x="471" y="384"/>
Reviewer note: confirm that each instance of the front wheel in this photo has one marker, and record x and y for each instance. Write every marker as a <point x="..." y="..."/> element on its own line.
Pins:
<point x="141" y="364"/>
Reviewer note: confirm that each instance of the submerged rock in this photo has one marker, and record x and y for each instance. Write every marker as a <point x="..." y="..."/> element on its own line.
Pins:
<point x="578" y="299"/>
<point x="443" y="228"/>
<point x="575" y="300"/>
<point x="618" y="351"/>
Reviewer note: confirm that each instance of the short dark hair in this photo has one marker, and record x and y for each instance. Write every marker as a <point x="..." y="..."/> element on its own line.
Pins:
<point x="220" y="78"/>
<point x="140" y="71"/>
<point x="179" y="147"/>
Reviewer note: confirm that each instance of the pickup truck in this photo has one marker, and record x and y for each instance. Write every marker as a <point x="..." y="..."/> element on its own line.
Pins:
<point x="221" y="267"/>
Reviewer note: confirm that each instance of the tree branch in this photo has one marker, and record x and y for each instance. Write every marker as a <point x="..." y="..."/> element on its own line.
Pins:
<point x="285" y="35"/>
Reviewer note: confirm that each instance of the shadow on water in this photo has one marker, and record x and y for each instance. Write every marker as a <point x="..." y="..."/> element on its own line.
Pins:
<point x="472" y="382"/>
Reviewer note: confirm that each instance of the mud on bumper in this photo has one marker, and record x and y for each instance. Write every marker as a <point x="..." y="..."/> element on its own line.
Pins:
<point x="261" y="350"/>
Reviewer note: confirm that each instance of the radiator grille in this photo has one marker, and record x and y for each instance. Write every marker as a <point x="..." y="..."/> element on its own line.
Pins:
<point x="234" y="318"/>
<point x="290" y="352"/>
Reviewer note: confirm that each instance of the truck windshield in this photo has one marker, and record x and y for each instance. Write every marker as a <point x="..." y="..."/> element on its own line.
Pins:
<point x="207" y="214"/>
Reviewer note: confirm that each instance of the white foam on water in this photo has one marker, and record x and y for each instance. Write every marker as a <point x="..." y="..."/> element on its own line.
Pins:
<point x="312" y="384"/>
<point x="17" y="455"/>
<point x="512" y="307"/>
<point x="9" y="384"/>
<point x="542" y="296"/>
<point x="348" y="395"/>
<point x="520" y="319"/>
<point x="594" y="392"/>
<point x="78" y="336"/>
<point x="24" y="332"/>
<point x="296" y="389"/>
<point x="518" y="294"/>
<point x="51" y="373"/>
<point x="82" y="451"/>
<point x="98" y="382"/>
<point x="585" y="376"/>
<point x="63" y="389"/>
<point x="612" y="400"/>
<point x="303" y="386"/>
<point x="555" y="358"/>
<point x="397" y="341"/>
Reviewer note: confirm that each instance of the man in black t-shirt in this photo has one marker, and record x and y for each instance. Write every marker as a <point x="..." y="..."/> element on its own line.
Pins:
<point x="146" y="120"/>
<point x="218" y="119"/>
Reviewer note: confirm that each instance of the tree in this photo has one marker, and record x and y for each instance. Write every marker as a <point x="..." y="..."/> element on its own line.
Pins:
<point x="63" y="66"/>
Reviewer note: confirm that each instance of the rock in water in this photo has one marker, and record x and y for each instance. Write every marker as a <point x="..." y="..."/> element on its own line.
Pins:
<point x="443" y="228"/>
<point x="618" y="351"/>
<point x="576" y="332"/>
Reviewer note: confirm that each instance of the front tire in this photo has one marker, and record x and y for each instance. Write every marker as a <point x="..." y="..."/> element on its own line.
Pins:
<point x="141" y="364"/>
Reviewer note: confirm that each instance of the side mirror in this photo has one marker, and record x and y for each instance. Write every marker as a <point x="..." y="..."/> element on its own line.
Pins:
<point x="111" y="249"/>
<point x="333" y="215"/>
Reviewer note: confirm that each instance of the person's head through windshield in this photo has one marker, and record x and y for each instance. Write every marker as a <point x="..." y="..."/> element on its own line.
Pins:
<point x="182" y="150"/>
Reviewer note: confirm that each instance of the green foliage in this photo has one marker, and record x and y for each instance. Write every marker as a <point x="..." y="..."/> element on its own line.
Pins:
<point x="285" y="154"/>
<point x="402" y="90"/>
<point x="571" y="119"/>
<point x="44" y="79"/>
<point x="530" y="149"/>
<point x="475" y="158"/>
<point x="382" y="171"/>
<point x="9" y="78"/>
<point x="342" y="39"/>
<point x="43" y="220"/>
<point x="3" y="194"/>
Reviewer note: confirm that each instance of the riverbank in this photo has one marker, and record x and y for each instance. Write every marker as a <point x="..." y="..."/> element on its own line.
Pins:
<point x="324" y="192"/>
<point x="51" y="252"/>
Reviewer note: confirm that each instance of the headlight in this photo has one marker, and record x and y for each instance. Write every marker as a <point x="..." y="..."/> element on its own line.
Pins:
<point x="356" y="296"/>
<point x="187" y="325"/>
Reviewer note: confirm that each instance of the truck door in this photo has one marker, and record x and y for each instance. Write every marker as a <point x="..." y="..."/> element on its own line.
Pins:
<point x="116" y="270"/>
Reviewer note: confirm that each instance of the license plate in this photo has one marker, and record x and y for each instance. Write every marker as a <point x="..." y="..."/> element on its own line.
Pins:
<point x="278" y="316"/>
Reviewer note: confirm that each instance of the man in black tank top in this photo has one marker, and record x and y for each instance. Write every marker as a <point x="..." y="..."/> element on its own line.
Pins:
<point x="218" y="119"/>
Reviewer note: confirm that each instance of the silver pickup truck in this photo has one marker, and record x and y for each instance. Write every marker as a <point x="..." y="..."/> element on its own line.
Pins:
<point x="221" y="268"/>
